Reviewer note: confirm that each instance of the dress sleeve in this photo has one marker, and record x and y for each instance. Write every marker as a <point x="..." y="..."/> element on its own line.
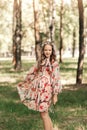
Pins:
<point x="56" y="81"/>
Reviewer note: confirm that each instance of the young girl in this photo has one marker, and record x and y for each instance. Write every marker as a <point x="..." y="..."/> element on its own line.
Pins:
<point x="42" y="85"/>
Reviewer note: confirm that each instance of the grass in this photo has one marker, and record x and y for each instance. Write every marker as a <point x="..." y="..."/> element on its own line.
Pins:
<point x="70" y="113"/>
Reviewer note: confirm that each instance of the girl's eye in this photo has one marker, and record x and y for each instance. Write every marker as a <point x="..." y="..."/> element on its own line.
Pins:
<point x="47" y="50"/>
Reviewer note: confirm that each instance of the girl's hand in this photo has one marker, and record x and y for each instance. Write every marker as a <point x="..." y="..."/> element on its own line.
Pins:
<point x="54" y="99"/>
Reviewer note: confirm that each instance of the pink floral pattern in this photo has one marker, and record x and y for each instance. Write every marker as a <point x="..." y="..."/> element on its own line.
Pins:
<point x="38" y="87"/>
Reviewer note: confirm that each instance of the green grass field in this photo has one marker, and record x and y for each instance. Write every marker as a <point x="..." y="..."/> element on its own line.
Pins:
<point x="70" y="113"/>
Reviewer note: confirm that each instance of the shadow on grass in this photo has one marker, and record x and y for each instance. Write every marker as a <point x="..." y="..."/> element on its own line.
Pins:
<point x="6" y="67"/>
<point x="74" y="97"/>
<point x="69" y="112"/>
<point x="13" y="114"/>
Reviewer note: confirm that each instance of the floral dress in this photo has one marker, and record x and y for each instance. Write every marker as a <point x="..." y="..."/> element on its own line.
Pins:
<point x="37" y="89"/>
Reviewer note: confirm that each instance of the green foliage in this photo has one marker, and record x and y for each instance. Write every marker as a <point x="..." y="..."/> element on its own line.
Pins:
<point x="70" y="20"/>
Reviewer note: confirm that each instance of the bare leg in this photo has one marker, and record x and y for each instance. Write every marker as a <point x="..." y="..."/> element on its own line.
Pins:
<point x="46" y="121"/>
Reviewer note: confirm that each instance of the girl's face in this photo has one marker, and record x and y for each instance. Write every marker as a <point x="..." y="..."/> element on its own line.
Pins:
<point x="47" y="51"/>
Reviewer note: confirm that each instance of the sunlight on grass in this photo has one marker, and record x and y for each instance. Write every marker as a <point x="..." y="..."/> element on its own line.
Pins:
<point x="69" y="70"/>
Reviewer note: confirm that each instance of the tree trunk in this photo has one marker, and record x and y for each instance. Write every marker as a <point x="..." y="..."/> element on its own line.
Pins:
<point x="61" y="34"/>
<point x="52" y="17"/>
<point x="37" y="32"/>
<point x="81" y="43"/>
<point x="17" y="37"/>
<point x="74" y="43"/>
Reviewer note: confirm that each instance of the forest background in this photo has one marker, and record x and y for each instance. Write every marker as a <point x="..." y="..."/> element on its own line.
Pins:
<point x="25" y="24"/>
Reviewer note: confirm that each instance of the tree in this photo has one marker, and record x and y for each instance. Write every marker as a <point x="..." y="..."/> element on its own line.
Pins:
<point x="17" y="34"/>
<point x="81" y="43"/>
<point x="52" y="18"/>
<point x="37" y="31"/>
<point x="74" y="42"/>
<point x="61" y="33"/>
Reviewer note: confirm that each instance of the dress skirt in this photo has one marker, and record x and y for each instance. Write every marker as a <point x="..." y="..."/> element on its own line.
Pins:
<point x="36" y="94"/>
<point x="37" y="89"/>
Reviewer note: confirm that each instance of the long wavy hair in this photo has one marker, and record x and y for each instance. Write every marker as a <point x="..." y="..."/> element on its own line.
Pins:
<point x="53" y="55"/>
